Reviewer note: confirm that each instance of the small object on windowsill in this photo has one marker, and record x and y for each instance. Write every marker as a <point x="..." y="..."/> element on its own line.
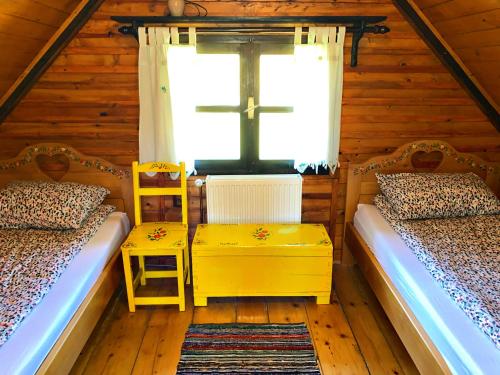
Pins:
<point x="176" y="7"/>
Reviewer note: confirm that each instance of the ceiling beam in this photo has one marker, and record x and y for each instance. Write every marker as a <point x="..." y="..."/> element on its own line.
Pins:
<point x="47" y="55"/>
<point x="449" y="58"/>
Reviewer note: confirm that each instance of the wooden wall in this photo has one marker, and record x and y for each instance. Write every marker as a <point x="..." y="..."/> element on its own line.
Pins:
<point x="398" y="93"/>
<point x="25" y="27"/>
<point x="471" y="28"/>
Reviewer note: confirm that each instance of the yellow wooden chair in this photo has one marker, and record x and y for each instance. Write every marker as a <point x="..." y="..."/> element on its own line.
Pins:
<point x="157" y="239"/>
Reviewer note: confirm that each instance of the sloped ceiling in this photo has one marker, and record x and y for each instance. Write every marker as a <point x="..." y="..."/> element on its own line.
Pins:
<point x="472" y="29"/>
<point x="25" y="27"/>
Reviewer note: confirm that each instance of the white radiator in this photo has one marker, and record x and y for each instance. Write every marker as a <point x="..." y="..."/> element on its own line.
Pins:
<point x="262" y="199"/>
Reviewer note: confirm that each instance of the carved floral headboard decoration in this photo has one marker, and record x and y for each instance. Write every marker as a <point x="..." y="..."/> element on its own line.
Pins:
<point x="53" y="155"/>
<point x="443" y="148"/>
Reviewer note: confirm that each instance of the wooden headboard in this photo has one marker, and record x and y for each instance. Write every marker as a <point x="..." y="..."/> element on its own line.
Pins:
<point x="59" y="162"/>
<point x="420" y="156"/>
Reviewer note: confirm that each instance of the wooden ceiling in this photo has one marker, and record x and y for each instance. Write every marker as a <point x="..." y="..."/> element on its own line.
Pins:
<point x="25" y="27"/>
<point x="471" y="28"/>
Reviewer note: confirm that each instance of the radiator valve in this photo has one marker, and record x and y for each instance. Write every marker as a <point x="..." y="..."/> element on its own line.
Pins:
<point x="199" y="182"/>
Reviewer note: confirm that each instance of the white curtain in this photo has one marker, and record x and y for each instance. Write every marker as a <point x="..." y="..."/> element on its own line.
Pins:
<point x="159" y="139"/>
<point x="318" y="101"/>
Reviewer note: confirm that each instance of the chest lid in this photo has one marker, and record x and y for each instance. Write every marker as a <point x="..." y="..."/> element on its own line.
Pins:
<point x="262" y="239"/>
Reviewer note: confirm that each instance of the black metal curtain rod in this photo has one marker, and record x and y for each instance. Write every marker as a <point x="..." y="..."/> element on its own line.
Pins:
<point x="250" y="20"/>
<point x="357" y="25"/>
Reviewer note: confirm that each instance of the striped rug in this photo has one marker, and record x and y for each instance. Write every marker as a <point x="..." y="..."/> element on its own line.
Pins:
<point x="248" y="349"/>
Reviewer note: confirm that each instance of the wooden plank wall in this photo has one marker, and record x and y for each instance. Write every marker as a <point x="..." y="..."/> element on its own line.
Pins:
<point x="471" y="28"/>
<point x="25" y="27"/>
<point x="399" y="92"/>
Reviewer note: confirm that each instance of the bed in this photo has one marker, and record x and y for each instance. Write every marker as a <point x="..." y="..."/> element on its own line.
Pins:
<point x="50" y="338"/>
<point x="439" y="337"/>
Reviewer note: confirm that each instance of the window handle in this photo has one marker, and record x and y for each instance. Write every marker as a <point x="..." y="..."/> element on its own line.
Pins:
<point x="251" y="108"/>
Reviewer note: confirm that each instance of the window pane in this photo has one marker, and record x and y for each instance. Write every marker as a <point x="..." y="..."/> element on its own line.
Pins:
<point x="277" y="136"/>
<point x="276" y="80"/>
<point x="217" y="79"/>
<point x="216" y="136"/>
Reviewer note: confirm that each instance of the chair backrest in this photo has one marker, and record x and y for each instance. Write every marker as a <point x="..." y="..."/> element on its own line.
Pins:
<point x="159" y="167"/>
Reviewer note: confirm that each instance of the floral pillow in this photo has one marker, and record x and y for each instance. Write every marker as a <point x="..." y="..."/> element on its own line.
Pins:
<point x="48" y="205"/>
<point x="437" y="195"/>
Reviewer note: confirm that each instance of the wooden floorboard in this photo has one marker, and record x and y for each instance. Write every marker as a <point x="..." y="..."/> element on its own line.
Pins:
<point x="335" y="343"/>
<point x="287" y="310"/>
<point x="382" y="349"/>
<point x="251" y="310"/>
<point x="348" y="339"/>
<point x="170" y="339"/>
<point x="376" y="350"/>
<point x="392" y="338"/>
<point x="219" y="310"/>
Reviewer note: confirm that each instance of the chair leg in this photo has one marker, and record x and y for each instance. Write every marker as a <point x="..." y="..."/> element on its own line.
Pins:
<point x="180" y="280"/>
<point x="129" y="280"/>
<point x="142" y="269"/>
<point x="187" y="264"/>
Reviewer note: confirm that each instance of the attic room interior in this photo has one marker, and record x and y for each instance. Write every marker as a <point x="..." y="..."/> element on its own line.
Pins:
<point x="249" y="187"/>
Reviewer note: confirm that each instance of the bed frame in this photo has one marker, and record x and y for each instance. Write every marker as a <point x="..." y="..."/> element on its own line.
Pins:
<point x="58" y="162"/>
<point x="420" y="156"/>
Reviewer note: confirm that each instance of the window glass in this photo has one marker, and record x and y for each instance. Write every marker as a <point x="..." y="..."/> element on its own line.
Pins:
<point x="276" y="136"/>
<point x="290" y="90"/>
<point x="217" y="136"/>
<point x="276" y="80"/>
<point x="217" y="79"/>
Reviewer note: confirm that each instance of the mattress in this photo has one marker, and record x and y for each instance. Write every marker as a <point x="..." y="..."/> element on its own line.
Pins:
<point x="26" y="349"/>
<point x="465" y="348"/>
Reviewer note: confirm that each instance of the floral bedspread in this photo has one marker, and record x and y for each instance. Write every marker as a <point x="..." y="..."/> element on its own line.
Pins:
<point x="463" y="256"/>
<point x="31" y="261"/>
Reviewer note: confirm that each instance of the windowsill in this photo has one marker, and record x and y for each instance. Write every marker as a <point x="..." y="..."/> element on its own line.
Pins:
<point x="308" y="171"/>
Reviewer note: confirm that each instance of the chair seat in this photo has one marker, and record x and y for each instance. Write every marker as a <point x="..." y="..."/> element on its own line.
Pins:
<point x="157" y="235"/>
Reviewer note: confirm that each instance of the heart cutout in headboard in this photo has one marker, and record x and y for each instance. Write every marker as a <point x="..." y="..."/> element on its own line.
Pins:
<point x="55" y="166"/>
<point x="426" y="161"/>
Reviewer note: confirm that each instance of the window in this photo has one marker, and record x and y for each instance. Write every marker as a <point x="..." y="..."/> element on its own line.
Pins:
<point x="239" y="102"/>
<point x="236" y="111"/>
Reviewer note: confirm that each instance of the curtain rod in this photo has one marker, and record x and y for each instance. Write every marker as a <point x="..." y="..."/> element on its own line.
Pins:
<point x="357" y="25"/>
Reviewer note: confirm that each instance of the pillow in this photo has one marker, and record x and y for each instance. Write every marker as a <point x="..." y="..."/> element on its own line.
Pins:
<point x="437" y="195"/>
<point x="48" y="205"/>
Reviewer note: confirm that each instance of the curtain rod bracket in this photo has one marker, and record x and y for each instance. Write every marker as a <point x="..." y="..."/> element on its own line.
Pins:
<point x="356" y="37"/>
<point x="357" y="33"/>
<point x="132" y="30"/>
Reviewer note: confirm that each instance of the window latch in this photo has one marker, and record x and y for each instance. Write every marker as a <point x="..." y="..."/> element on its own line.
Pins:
<point x="251" y="108"/>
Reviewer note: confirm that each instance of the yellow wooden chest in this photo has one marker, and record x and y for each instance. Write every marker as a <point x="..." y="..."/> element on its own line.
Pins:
<point x="233" y="260"/>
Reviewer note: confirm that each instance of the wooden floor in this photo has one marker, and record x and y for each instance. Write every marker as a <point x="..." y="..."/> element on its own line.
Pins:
<point x="350" y="338"/>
